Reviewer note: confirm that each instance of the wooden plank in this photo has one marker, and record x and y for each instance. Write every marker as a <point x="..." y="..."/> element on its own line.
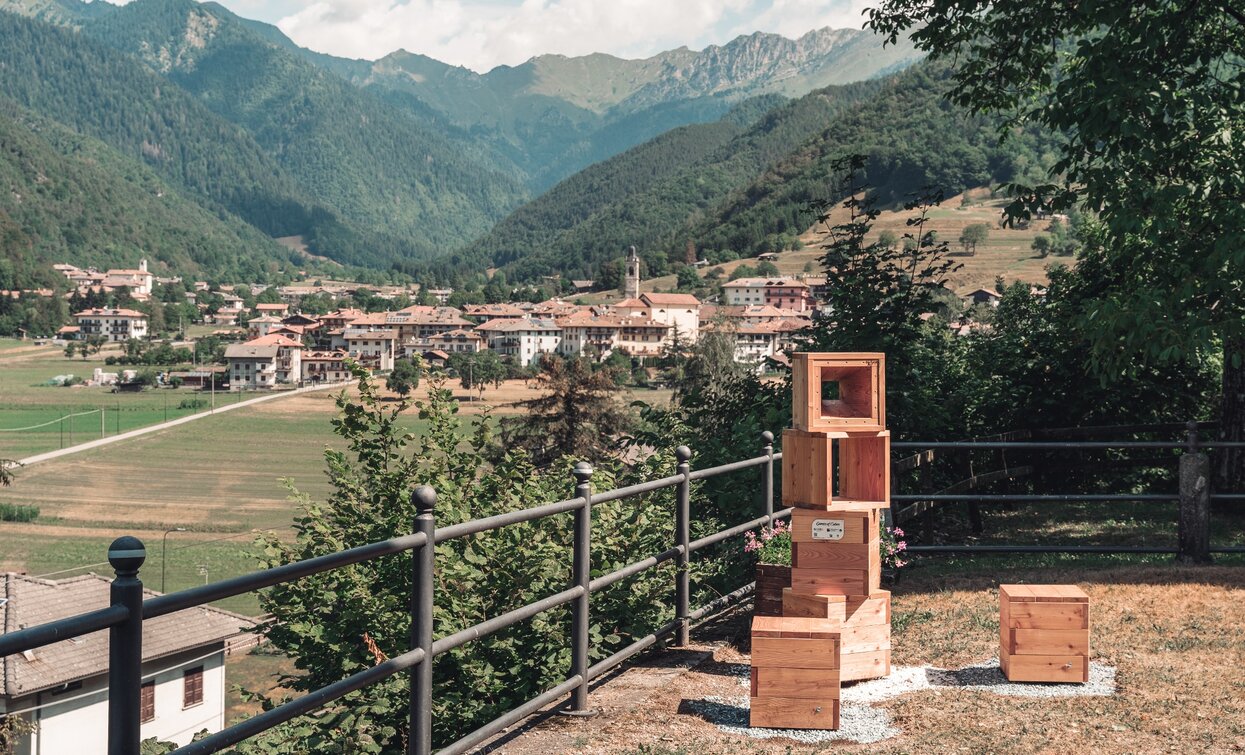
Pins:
<point x="1016" y="593"/>
<point x="868" y="610"/>
<point x="832" y="581"/>
<point x="803" y="683"/>
<point x="827" y="555"/>
<point x="854" y="667"/>
<point x="1050" y="642"/>
<point x="794" y="653"/>
<point x="832" y="607"/>
<point x="1044" y="593"/>
<point x="793" y="713"/>
<point x="857" y="525"/>
<point x="807" y="468"/>
<point x="1044" y="615"/>
<point x="864" y="468"/>
<point x="795" y="627"/>
<point x="865" y="639"/>
<point x="1043" y="668"/>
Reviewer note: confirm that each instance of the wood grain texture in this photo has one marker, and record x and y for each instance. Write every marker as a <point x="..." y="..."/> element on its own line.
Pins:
<point x="830" y="607"/>
<point x="1049" y="642"/>
<point x="833" y="581"/>
<point x="868" y="610"/>
<point x="793" y="713"/>
<point x="834" y="555"/>
<point x="854" y="667"/>
<point x="859" y="525"/>
<point x="807" y="469"/>
<point x="1044" y="615"/>
<point x="861" y="379"/>
<point x="804" y="683"/>
<point x="1042" y="668"/>
<point x="795" y="627"/>
<point x="864" y="469"/>
<point x="784" y="652"/>
<point x="1043" y="594"/>
<point x="865" y="639"/>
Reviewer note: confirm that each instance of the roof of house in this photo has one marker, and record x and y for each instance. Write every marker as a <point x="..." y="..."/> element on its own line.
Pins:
<point x="765" y="283"/>
<point x="354" y="334"/>
<point x="249" y="351"/>
<point x="990" y="292"/>
<point x="274" y="339"/>
<point x="513" y="325"/>
<point x="671" y="300"/>
<point x="109" y="313"/>
<point x="271" y="307"/>
<point x="630" y="304"/>
<point x="30" y="601"/>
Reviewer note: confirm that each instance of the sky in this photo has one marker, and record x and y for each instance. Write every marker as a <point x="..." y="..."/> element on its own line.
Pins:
<point x="482" y="34"/>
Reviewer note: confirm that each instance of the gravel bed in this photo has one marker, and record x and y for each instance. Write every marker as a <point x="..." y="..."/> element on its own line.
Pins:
<point x="859" y="721"/>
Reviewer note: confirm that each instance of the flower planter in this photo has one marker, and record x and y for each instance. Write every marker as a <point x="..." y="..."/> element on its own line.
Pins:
<point x="771" y="579"/>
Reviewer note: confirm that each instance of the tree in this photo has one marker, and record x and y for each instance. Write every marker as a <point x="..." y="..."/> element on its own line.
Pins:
<point x="404" y="377"/>
<point x="1148" y="96"/>
<point x="688" y="279"/>
<point x="578" y="414"/>
<point x="767" y="269"/>
<point x="888" y="239"/>
<point x="1041" y="245"/>
<point x="972" y="235"/>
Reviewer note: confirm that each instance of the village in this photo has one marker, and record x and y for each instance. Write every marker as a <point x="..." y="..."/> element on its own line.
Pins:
<point x="275" y="344"/>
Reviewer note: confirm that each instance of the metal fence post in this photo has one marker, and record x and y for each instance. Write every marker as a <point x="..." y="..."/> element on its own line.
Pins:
<point x="683" y="535"/>
<point x="422" y="563"/>
<point x="767" y="446"/>
<point x="125" y="648"/>
<point x="581" y="567"/>
<point x="1194" y="522"/>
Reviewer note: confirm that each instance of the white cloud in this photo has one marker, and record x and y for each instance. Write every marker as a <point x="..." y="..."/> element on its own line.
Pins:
<point x="481" y="34"/>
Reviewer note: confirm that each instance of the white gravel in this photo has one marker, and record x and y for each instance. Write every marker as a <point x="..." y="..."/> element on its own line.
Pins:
<point x="859" y="721"/>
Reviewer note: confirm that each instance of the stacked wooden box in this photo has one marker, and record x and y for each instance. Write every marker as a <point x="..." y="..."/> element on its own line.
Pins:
<point x="1044" y="633"/>
<point x="795" y="673"/>
<point x="836" y="565"/>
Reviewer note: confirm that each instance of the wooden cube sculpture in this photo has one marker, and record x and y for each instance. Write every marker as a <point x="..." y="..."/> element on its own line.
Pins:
<point x="795" y="673"/>
<point x="1044" y="633"/>
<point x="809" y="478"/>
<point x="838" y="391"/>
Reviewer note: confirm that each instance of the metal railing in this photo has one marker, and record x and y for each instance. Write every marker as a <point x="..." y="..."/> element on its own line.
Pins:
<point x="127" y="611"/>
<point x="1193" y="496"/>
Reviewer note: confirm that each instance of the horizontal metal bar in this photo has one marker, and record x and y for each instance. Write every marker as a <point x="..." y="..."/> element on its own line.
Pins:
<point x="635" y="648"/>
<point x="1037" y="498"/>
<point x="303" y="705"/>
<point x="1221" y="444"/>
<point x="718" y="537"/>
<point x="497" y="521"/>
<point x="605" y="580"/>
<point x="508" y="619"/>
<point x="227" y="588"/>
<point x="509" y="719"/>
<point x="734" y="466"/>
<point x="721" y="602"/>
<point x="1227" y="496"/>
<point x="935" y="550"/>
<point x="637" y="489"/>
<point x="1038" y="445"/>
<point x="62" y="629"/>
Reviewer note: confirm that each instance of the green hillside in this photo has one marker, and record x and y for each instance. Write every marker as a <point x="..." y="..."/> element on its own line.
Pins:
<point x="752" y="191"/>
<point x="69" y="197"/>
<point x="98" y="92"/>
<point x="386" y="174"/>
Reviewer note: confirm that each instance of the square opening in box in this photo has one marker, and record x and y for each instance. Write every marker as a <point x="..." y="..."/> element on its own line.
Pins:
<point x="847" y="392"/>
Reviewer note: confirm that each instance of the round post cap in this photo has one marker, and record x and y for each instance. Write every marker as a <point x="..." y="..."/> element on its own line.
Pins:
<point x="683" y="454"/>
<point x="425" y="499"/>
<point x="127" y="554"/>
<point x="582" y="471"/>
<point x="767" y="438"/>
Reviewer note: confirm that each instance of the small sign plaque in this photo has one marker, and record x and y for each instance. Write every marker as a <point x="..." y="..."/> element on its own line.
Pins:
<point x="827" y="529"/>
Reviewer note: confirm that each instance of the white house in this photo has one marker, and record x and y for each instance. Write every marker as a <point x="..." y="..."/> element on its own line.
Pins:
<point x="523" y="340"/>
<point x="139" y="282"/>
<point x="744" y="291"/>
<point x="62" y="688"/>
<point x="680" y="311"/>
<point x="114" y="324"/>
<point x="371" y="346"/>
<point x="251" y="365"/>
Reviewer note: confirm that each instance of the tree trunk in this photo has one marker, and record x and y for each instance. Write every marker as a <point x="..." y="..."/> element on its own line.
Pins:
<point x="1231" y="473"/>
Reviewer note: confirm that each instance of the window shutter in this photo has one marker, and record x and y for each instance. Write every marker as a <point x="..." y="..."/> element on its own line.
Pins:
<point x="192" y="687"/>
<point x="147" y="702"/>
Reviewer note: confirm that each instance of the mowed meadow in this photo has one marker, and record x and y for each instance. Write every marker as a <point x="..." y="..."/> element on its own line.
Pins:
<point x="210" y="485"/>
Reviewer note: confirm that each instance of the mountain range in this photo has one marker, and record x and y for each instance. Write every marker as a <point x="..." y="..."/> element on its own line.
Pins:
<point x="386" y="163"/>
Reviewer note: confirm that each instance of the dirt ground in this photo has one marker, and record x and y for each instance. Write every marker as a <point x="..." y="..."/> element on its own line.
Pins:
<point x="1173" y="634"/>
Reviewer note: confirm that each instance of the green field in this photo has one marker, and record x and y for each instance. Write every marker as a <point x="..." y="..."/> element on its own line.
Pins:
<point x="27" y="400"/>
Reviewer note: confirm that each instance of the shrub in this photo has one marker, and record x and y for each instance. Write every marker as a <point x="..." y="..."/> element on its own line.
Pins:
<point x="12" y="512"/>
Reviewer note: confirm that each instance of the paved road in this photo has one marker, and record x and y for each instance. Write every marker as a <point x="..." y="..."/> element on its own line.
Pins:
<point x="171" y="423"/>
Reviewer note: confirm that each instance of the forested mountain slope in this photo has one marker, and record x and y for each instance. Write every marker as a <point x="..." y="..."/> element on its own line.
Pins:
<point x="67" y="197"/>
<point x="752" y="192"/>
<point x="387" y="175"/>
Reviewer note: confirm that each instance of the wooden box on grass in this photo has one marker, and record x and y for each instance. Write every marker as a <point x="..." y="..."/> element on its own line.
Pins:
<point x="795" y="673"/>
<point x="865" y="628"/>
<point x="838" y="391"/>
<point x="812" y="480"/>
<point x="1044" y="633"/>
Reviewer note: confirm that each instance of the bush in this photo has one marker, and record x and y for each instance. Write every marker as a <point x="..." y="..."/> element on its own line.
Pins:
<point x="11" y="512"/>
<point x="193" y="404"/>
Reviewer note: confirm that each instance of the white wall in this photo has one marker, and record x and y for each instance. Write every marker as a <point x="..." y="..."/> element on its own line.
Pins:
<point x="78" y="724"/>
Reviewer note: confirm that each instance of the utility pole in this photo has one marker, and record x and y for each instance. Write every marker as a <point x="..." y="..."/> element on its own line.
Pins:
<point x="61" y="424"/>
<point x="102" y="423"/>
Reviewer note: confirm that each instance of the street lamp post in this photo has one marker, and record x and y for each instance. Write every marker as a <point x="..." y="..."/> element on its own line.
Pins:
<point x="164" y="553"/>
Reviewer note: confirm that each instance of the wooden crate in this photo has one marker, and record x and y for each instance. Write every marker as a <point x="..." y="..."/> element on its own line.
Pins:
<point x="771" y="581"/>
<point x="795" y="673"/>
<point x="1043" y="633"/>
<point x="812" y="480"/>
<point x="847" y="526"/>
<point x="867" y="610"/>
<point x="855" y="667"/>
<point x="861" y="400"/>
